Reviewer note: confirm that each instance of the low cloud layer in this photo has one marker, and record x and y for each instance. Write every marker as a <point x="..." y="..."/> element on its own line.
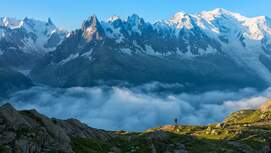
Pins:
<point x="116" y="108"/>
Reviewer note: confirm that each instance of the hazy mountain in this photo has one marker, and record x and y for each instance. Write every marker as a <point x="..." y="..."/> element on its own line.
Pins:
<point x="12" y="81"/>
<point x="22" y="42"/>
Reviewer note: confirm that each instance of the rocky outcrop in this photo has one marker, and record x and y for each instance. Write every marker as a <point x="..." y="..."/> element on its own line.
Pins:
<point x="266" y="106"/>
<point x="31" y="132"/>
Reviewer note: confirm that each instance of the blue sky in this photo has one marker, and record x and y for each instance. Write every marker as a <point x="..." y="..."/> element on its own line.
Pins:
<point x="70" y="13"/>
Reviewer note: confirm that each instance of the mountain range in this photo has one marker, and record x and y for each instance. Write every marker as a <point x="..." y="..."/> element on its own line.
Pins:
<point x="211" y="50"/>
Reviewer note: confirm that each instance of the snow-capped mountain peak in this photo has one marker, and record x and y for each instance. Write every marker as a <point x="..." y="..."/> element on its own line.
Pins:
<point x="135" y="21"/>
<point x="230" y="24"/>
<point x="221" y="13"/>
<point x="30" y="35"/>
<point x="181" y="19"/>
<point x="32" y="25"/>
<point x="263" y="20"/>
<point x="50" y="22"/>
<point x="179" y="16"/>
<point x="10" y="22"/>
<point x="113" y="18"/>
<point x="90" y="22"/>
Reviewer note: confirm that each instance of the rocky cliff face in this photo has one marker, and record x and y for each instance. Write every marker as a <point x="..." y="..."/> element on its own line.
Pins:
<point x="31" y="132"/>
<point x="246" y="131"/>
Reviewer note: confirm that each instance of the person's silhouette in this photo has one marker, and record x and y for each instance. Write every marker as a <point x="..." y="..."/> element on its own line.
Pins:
<point x="176" y="121"/>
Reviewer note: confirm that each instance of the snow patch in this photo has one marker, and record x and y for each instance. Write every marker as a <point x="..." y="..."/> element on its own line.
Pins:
<point x="24" y="72"/>
<point x="113" y="18"/>
<point x="126" y="51"/>
<point x="71" y="57"/>
<point x="11" y="23"/>
<point x="208" y="50"/>
<point x="88" y="55"/>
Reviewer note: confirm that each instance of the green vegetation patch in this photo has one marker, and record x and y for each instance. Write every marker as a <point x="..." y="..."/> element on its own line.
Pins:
<point x="81" y="145"/>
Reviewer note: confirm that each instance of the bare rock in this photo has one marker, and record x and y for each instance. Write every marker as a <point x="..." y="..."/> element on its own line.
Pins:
<point x="158" y="136"/>
<point x="266" y="106"/>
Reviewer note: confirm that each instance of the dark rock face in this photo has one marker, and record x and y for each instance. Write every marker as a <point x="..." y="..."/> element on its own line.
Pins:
<point x="16" y="58"/>
<point x="31" y="132"/>
<point x="23" y="132"/>
<point x="92" y="29"/>
<point x="108" y="65"/>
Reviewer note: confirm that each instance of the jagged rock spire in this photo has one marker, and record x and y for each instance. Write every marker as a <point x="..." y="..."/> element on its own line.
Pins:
<point x="92" y="29"/>
<point x="50" y="22"/>
<point x="135" y="20"/>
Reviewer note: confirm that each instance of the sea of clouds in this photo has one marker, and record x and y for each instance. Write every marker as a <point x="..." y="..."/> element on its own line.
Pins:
<point x="137" y="108"/>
